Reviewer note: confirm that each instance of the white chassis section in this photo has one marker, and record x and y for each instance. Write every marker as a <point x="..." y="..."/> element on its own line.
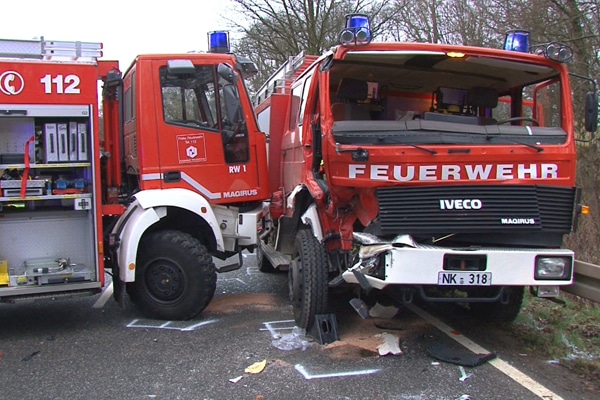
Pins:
<point x="421" y="265"/>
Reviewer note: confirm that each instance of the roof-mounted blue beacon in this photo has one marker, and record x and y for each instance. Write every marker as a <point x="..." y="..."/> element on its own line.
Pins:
<point x="517" y="40"/>
<point x="218" y="42"/>
<point x="357" y="30"/>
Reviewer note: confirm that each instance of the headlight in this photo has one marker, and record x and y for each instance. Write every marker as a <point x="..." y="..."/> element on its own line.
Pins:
<point x="547" y="267"/>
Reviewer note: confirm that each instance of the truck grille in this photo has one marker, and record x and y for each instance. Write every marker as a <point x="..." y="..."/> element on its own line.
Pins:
<point x="465" y="209"/>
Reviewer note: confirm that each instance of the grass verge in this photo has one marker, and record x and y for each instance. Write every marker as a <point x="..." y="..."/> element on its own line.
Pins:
<point x="568" y="332"/>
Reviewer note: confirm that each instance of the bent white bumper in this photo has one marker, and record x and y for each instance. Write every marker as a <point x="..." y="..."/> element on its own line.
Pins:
<point x="431" y="265"/>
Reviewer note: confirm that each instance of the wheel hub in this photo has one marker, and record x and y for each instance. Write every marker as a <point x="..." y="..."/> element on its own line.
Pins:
<point x="164" y="281"/>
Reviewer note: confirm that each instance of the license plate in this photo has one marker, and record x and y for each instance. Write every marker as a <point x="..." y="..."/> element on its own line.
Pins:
<point x="465" y="278"/>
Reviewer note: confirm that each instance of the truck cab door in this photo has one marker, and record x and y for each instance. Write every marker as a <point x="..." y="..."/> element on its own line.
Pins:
<point x="203" y="138"/>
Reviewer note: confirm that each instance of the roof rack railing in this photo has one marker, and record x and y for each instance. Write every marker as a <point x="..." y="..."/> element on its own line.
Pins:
<point x="47" y="49"/>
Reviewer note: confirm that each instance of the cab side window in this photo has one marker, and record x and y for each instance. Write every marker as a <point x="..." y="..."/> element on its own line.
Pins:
<point x="204" y="100"/>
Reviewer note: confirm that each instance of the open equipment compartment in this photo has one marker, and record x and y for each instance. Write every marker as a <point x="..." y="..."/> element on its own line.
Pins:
<point x="47" y="230"/>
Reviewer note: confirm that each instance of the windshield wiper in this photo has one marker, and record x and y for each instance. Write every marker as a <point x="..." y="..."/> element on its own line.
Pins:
<point x="532" y="146"/>
<point x="361" y="154"/>
<point x="395" y="141"/>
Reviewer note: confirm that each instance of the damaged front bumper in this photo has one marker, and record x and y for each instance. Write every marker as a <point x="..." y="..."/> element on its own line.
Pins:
<point x="402" y="261"/>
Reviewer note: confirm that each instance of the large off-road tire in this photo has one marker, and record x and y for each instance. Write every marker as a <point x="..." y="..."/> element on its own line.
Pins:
<point x="498" y="312"/>
<point x="264" y="265"/>
<point x="175" y="278"/>
<point x="307" y="279"/>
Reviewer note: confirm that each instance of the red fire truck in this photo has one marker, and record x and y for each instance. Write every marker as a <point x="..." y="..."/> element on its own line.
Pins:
<point x="174" y="174"/>
<point x="414" y="169"/>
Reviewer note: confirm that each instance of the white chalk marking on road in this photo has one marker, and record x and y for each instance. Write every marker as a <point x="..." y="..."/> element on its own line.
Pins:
<point x="510" y="371"/>
<point x="308" y="375"/>
<point x="136" y="323"/>
<point x="108" y="291"/>
<point x="233" y="279"/>
<point x="252" y="270"/>
<point x="274" y="330"/>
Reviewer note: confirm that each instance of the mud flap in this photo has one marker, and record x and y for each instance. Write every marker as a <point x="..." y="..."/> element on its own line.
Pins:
<point x="287" y="229"/>
<point x="362" y="281"/>
<point x="119" y="291"/>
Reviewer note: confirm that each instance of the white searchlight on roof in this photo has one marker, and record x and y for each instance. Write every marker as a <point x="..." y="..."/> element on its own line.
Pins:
<point x="357" y="30"/>
<point x="518" y="40"/>
<point x="218" y="42"/>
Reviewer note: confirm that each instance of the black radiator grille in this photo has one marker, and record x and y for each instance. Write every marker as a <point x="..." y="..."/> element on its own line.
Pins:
<point x="501" y="208"/>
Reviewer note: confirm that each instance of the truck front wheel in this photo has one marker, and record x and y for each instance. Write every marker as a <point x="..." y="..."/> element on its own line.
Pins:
<point x="175" y="277"/>
<point x="307" y="279"/>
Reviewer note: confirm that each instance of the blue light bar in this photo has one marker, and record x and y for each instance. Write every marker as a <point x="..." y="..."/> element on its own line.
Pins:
<point x="517" y="41"/>
<point x="218" y="42"/>
<point x="357" y="21"/>
<point x="357" y="30"/>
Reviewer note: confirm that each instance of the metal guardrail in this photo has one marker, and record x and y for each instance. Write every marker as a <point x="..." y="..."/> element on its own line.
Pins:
<point x="587" y="281"/>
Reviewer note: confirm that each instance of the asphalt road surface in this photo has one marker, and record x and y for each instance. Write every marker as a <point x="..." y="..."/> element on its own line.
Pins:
<point x="75" y="349"/>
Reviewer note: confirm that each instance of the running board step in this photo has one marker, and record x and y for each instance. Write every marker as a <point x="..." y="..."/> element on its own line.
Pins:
<point x="276" y="259"/>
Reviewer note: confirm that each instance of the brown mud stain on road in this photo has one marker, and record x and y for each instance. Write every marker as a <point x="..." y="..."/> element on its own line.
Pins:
<point x="236" y="303"/>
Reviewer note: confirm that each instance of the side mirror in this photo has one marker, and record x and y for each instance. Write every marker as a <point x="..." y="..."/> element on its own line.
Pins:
<point x="247" y="67"/>
<point x="591" y="112"/>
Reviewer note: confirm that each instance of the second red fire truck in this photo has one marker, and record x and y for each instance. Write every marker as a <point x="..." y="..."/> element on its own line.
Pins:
<point x="422" y="170"/>
<point x="174" y="174"/>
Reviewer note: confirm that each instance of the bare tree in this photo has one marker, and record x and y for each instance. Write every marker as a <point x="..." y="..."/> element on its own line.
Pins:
<point x="274" y="30"/>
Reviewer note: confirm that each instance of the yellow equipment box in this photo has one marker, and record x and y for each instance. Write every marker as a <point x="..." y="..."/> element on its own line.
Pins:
<point x="4" y="279"/>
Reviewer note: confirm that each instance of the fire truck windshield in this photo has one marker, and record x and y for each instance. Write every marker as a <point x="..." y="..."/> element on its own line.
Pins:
<point x="431" y="97"/>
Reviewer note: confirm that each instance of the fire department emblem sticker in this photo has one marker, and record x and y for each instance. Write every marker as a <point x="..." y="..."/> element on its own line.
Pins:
<point x="191" y="148"/>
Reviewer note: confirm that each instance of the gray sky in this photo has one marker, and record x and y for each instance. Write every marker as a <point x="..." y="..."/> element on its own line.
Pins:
<point x="126" y="28"/>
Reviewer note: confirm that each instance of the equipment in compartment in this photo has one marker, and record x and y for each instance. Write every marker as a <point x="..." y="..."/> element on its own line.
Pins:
<point x="28" y="192"/>
<point x="50" y="143"/>
<point x="46" y="271"/>
<point x="4" y="278"/>
<point x="65" y="142"/>
<point x="82" y="142"/>
<point x="73" y="141"/>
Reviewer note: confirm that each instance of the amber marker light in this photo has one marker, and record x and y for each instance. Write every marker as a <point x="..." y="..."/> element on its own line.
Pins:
<point x="455" y="54"/>
<point x="585" y="210"/>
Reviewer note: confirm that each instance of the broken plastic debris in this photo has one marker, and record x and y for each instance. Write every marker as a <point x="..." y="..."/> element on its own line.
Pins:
<point x="458" y="355"/>
<point x="390" y="344"/>
<point x="30" y="356"/>
<point x="379" y="311"/>
<point x="464" y="397"/>
<point x="236" y="380"/>
<point x="360" y="307"/>
<point x="292" y="341"/>
<point x="256" y="368"/>
<point x="463" y="375"/>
